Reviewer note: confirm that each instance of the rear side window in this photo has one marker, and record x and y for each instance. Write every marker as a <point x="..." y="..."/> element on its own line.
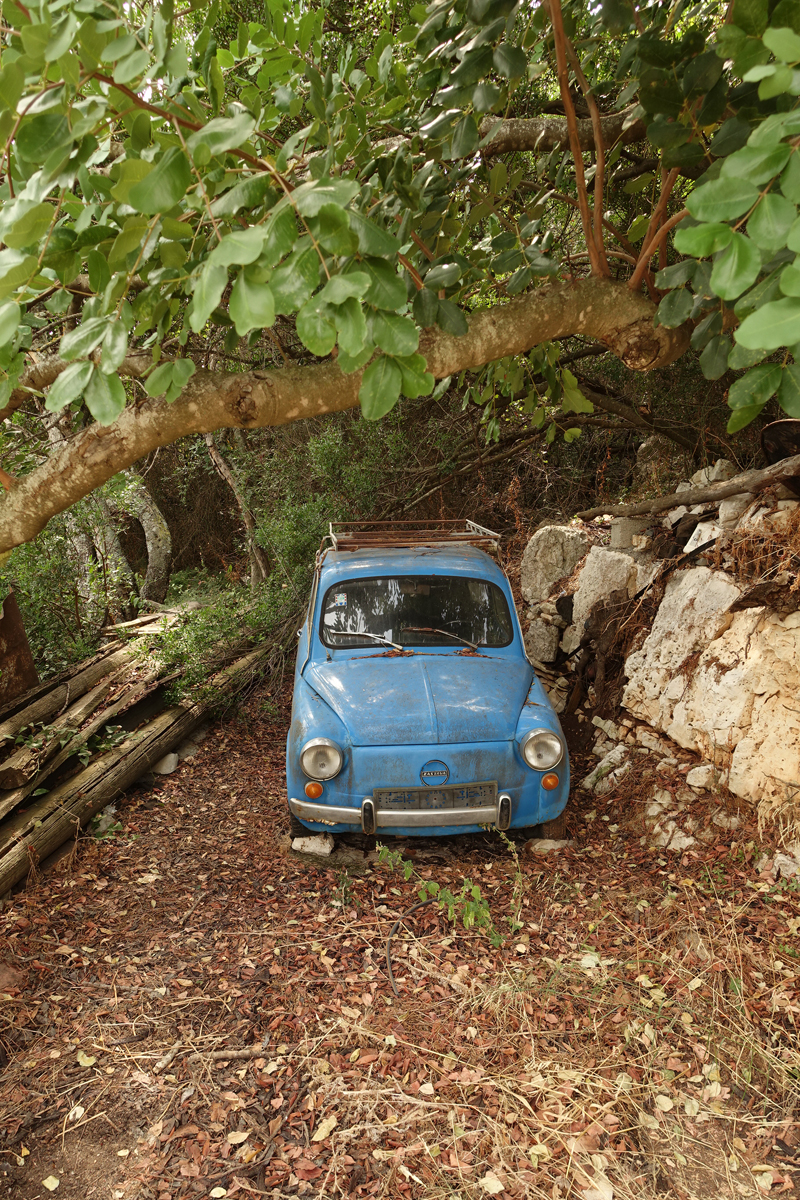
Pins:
<point x="415" y="610"/>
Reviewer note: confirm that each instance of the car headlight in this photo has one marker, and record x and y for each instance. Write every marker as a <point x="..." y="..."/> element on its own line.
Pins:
<point x="321" y="758"/>
<point x="542" y="749"/>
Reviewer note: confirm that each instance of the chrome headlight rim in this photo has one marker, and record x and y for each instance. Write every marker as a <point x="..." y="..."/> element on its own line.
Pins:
<point x="538" y="733"/>
<point x="328" y="744"/>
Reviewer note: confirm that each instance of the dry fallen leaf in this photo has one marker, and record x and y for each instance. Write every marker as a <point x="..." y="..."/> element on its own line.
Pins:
<point x="86" y="1060"/>
<point x="324" y="1129"/>
<point x="491" y="1184"/>
<point x="426" y="1089"/>
<point x="217" y="1192"/>
<point x="664" y="1103"/>
<point x="51" y="1183"/>
<point x="236" y="1137"/>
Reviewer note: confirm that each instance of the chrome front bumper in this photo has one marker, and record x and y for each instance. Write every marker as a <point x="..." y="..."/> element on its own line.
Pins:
<point x="369" y="818"/>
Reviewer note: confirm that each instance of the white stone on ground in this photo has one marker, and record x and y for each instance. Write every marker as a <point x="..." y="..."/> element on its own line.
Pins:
<point x="166" y="765"/>
<point x="551" y="553"/>
<point x="317" y="843"/>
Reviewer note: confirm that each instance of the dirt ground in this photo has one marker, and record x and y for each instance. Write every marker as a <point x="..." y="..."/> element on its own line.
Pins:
<point x="188" y="1009"/>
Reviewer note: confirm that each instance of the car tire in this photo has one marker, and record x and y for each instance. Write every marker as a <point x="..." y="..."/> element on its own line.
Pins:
<point x="555" y="829"/>
<point x="297" y="828"/>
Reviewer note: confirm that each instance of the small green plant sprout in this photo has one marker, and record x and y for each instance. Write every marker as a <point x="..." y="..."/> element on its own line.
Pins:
<point x="104" y="825"/>
<point x="515" y="916"/>
<point x="101" y="742"/>
<point x="468" y="905"/>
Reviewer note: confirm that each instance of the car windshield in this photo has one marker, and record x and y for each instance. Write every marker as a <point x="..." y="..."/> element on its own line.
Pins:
<point x="415" y="610"/>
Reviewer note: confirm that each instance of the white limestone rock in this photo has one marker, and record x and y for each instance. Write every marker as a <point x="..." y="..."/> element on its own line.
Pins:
<point x="722" y="469"/>
<point x="604" y="572"/>
<point x="546" y="845"/>
<point x="541" y="640"/>
<point x="317" y="843"/>
<point x="702" y="778"/>
<point x="615" y="758"/>
<point x="724" y="685"/>
<point x="732" y="508"/>
<point x="166" y="765"/>
<point x="551" y="553"/>
<point x="704" y="531"/>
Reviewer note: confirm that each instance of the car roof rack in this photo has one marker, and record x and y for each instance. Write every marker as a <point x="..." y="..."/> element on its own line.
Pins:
<point x="369" y="535"/>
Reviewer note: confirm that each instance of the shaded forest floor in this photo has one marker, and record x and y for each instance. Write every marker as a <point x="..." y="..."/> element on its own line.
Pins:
<point x="190" y="1010"/>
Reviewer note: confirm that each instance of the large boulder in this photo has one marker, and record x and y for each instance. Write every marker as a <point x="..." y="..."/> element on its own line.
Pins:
<point x="723" y="684"/>
<point x="604" y="572"/>
<point x="551" y="553"/>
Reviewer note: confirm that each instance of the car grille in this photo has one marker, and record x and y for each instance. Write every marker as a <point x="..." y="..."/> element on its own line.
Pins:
<point x="468" y="795"/>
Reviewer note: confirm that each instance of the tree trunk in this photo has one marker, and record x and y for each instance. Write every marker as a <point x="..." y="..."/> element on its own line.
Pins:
<point x="52" y="702"/>
<point x="118" y="578"/>
<point x="259" y="563"/>
<point x="60" y="815"/>
<point x="141" y="505"/>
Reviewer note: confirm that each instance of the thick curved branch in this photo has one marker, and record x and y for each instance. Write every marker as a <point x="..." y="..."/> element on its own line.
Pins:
<point x="545" y="133"/>
<point x="596" y="307"/>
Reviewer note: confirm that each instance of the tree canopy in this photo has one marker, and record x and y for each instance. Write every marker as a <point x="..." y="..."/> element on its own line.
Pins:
<point x="422" y="192"/>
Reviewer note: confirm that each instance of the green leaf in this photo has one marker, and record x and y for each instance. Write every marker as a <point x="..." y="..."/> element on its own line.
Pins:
<point x="207" y="294"/>
<point x="159" y="380"/>
<point x="348" y="363"/>
<point x="675" y="308"/>
<point x="386" y="289"/>
<point x="341" y="287"/>
<point x="222" y="133"/>
<point x="281" y="235"/>
<point x="105" y="397"/>
<point x="315" y="327"/>
<point x="770" y="223"/>
<point x="131" y="171"/>
<point x="793" y="237"/>
<point x="443" y="275"/>
<point x="294" y="281"/>
<point x="740" y="358"/>
<point x="239" y="247"/>
<point x="790" y="179"/>
<point x="417" y="379"/>
<point x="380" y="388"/>
<point x="777" y="83"/>
<point x="426" y="308"/>
<point x="371" y="238"/>
<point x="790" y="281"/>
<point x="677" y="274"/>
<point x="393" y="334"/>
<point x="351" y="326"/>
<point x="165" y="185"/>
<point x="751" y="16"/>
<point x="789" y="391"/>
<point x="722" y="199"/>
<point x="773" y="325"/>
<point x="573" y="399"/>
<point x="310" y="197"/>
<point x="9" y="321"/>
<point x="40" y="136"/>
<point x="701" y="240"/>
<point x="730" y="136"/>
<point x="252" y="304"/>
<point x="70" y="384"/>
<point x="742" y="417"/>
<point x="509" y="61"/>
<point x="131" y="68"/>
<point x="784" y="44"/>
<point x="81" y="341"/>
<point x="755" y="387"/>
<point x="464" y="141"/>
<point x="114" y="347"/>
<point x="331" y="228"/>
<point x="30" y="227"/>
<point x="736" y="268"/>
<point x="247" y="194"/>
<point x="709" y="327"/>
<point x="99" y="273"/>
<point x="714" y="359"/>
<point x="756" y="163"/>
<point x="451" y="319"/>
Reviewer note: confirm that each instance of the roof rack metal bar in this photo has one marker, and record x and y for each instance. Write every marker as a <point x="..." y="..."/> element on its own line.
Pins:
<point x="358" y="535"/>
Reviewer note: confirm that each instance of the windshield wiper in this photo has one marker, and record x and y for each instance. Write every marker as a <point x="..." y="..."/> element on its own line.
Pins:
<point x="362" y="633"/>
<point x="444" y="632"/>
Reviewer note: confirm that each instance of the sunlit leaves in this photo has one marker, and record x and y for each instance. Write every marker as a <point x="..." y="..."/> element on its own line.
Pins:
<point x="722" y="199"/>
<point x="380" y="387"/>
<point x="737" y="268"/>
<point x="164" y="186"/>
<point x="69" y="385"/>
<point x="774" y="324"/>
<point x="169" y="379"/>
<point x="252" y="304"/>
<point x="105" y="397"/>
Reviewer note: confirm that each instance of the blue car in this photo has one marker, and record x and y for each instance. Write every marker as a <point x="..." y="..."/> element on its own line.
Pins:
<point x="416" y="710"/>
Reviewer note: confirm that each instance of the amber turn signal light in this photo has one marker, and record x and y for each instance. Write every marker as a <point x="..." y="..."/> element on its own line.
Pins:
<point x="548" y="781"/>
<point x="313" y="790"/>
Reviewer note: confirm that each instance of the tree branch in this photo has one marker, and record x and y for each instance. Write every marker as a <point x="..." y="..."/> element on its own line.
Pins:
<point x="596" y="307"/>
<point x="749" y="481"/>
<point x="545" y="133"/>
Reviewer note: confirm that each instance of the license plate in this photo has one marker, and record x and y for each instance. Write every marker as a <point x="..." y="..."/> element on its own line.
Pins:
<point x="468" y="795"/>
